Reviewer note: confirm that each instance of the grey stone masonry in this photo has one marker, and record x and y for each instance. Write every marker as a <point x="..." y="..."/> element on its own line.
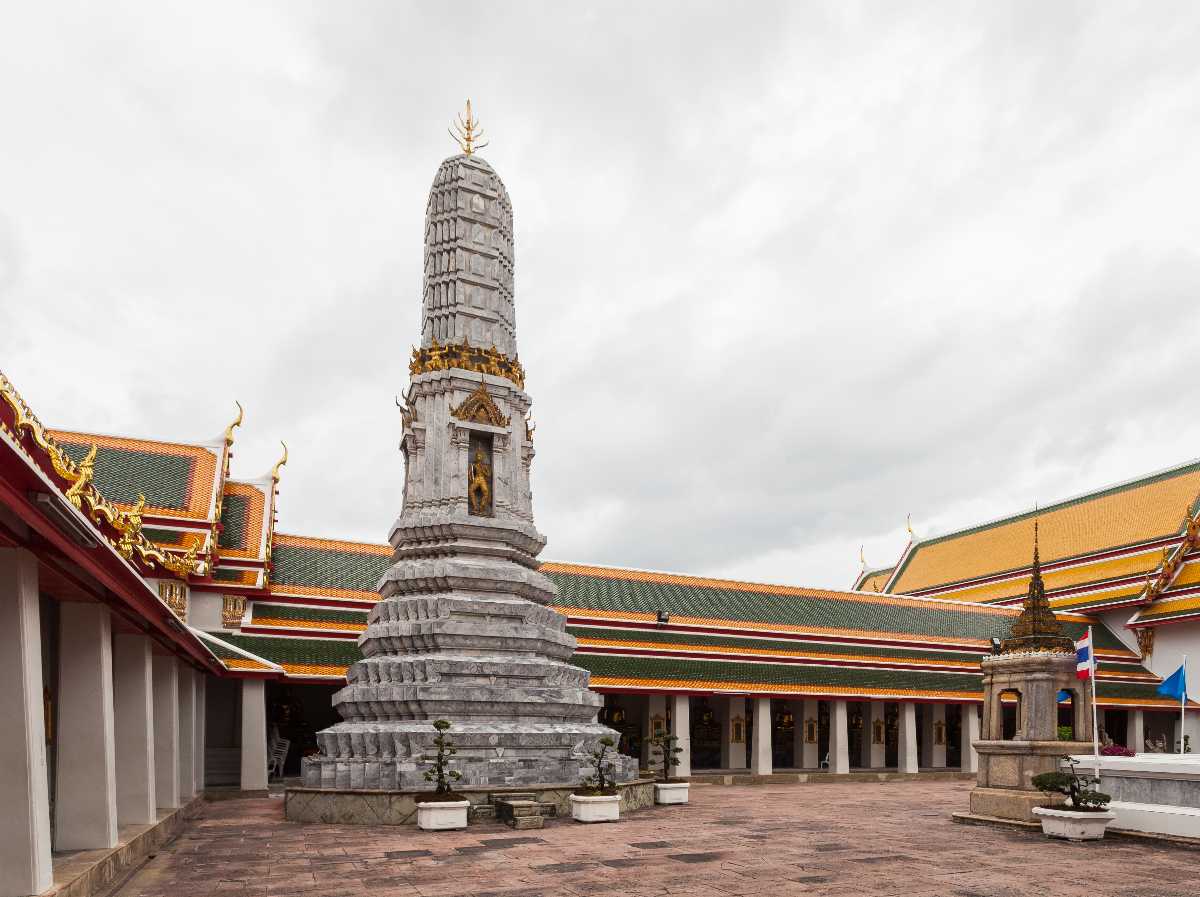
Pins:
<point x="464" y="631"/>
<point x="469" y="258"/>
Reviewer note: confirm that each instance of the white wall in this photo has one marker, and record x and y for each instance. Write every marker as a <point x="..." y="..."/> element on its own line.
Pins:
<point x="1171" y="643"/>
<point x="204" y="611"/>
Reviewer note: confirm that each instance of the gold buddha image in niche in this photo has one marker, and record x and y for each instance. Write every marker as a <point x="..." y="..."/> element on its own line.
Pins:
<point x="479" y="475"/>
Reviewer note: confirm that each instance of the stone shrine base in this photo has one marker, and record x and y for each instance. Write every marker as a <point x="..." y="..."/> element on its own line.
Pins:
<point x="1006" y="771"/>
<point x="359" y="807"/>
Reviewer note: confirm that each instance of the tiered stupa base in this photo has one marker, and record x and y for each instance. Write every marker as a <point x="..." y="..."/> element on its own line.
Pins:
<point x="463" y="634"/>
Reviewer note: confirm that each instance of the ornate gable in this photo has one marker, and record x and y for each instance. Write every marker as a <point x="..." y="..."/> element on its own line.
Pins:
<point x="479" y="408"/>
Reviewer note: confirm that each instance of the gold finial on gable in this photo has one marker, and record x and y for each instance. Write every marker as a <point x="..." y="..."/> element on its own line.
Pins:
<point x="278" y="464"/>
<point x="467" y="132"/>
<point x="237" y="422"/>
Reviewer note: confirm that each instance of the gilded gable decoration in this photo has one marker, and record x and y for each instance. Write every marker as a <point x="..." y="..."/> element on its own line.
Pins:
<point x="81" y="492"/>
<point x="233" y="608"/>
<point x="479" y="408"/>
<point x="174" y="595"/>
<point x="1145" y="641"/>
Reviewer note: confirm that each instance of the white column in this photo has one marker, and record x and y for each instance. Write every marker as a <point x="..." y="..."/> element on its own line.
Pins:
<point x="969" y="734"/>
<point x="937" y="756"/>
<point x="907" y="747"/>
<point x="839" y="738"/>
<point x="166" y="731"/>
<point x="812" y="759"/>
<point x="681" y="728"/>
<point x="878" y="752"/>
<point x="85" y="796"/>
<point x="733" y="754"/>
<point x="187" y="733"/>
<point x="656" y="705"/>
<point x="254" y="735"/>
<point x="133" y="713"/>
<point x="1135" y="737"/>
<point x="198" y="751"/>
<point x="761" y="762"/>
<point x="25" y="864"/>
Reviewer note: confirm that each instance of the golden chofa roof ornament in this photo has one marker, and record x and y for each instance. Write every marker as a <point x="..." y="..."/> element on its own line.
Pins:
<point x="467" y="132"/>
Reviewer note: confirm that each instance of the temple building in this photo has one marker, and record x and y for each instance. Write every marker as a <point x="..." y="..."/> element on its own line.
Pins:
<point x="160" y="636"/>
<point x="1126" y="555"/>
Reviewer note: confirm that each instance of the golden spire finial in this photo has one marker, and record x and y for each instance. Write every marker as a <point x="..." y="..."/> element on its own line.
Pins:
<point x="278" y="464"/>
<point x="237" y="422"/>
<point x="469" y="132"/>
<point x="862" y="557"/>
<point x="908" y="526"/>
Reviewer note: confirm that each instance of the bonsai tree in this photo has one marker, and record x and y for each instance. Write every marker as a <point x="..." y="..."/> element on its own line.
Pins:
<point x="668" y="752"/>
<point x="600" y="781"/>
<point x="1074" y="786"/>
<point x="440" y="773"/>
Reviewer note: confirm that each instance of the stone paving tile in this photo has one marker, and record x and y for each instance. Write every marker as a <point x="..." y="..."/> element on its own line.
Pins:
<point x="860" y="839"/>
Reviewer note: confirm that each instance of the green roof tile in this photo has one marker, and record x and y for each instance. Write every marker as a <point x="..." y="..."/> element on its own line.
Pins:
<point x="122" y="474"/>
<point x="326" y="568"/>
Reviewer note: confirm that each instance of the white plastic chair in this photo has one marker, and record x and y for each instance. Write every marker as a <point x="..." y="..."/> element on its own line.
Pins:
<point x="279" y="752"/>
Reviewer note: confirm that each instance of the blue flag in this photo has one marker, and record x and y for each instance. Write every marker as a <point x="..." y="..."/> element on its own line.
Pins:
<point x="1174" y="686"/>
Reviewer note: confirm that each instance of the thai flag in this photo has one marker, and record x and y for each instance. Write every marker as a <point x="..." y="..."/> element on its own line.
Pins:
<point x="1083" y="656"/>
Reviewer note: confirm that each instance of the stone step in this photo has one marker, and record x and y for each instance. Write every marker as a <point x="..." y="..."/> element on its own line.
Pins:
<point x="522" y="823"/>
<point x="511" y="796"/>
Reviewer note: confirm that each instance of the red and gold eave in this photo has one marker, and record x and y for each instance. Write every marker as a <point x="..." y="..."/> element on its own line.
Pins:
<point x="78" y="556"/>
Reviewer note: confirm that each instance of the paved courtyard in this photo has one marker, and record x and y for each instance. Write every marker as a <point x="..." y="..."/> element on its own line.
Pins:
<point x="853" y="839"/>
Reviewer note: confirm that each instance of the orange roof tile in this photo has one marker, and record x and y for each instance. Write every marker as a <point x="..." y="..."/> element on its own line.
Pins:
<point x="1128" y="514"/>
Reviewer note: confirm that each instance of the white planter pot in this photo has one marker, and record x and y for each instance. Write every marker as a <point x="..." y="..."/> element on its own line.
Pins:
<point x="442" y="815"/>
<point x="1072" y="824"/>
<point x="671" y="792"/>
<point x="602" y="808"/>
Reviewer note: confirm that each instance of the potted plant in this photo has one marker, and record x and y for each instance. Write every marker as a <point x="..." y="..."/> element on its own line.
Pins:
<point x="669" y="790"/>
<point x="1087" y="815"/>
<point x="596" y="799"/>
<point x="443" y="809"/>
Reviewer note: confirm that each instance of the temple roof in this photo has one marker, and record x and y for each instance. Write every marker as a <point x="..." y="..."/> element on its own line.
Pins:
<point x="329" y="568"/>
<point x="872" y="580"/>
<point x="1097" y="548"/>
<point x="179" y="480"/>
<point x="721" y="635"/>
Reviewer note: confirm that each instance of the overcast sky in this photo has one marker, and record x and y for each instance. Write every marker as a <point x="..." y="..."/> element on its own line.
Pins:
<point x="784" y="273"/>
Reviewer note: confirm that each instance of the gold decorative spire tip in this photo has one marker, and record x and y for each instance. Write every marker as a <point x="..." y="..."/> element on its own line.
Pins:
<point x="467" y="132"/>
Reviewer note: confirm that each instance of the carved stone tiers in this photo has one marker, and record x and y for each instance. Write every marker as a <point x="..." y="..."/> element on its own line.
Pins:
<point x="464" y="630"/>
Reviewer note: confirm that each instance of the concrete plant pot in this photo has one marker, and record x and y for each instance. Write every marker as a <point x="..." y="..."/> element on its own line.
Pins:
<point x="671" y="792"/>
<point x="1073" y="825"/>
<point x="601" y="808"/>
<point x="442" y="815"/>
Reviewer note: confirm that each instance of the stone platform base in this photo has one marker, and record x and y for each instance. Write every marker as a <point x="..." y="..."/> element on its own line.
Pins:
<point x="725" y="777"/>
<point x="81" y="873"/>
<point x="1010" y="803"/>
<point x="331" y="806"/>
<point x="1111" y="832"/>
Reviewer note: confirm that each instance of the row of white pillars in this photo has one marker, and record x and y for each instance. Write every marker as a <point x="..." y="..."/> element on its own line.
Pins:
<point x="756" y="712"/>
<point x="129" y="736"/>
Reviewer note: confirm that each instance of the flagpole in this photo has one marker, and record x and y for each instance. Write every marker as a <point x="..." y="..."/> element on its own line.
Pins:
<point x="1095" y="709"/>
<point x="1183" y="705"/>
